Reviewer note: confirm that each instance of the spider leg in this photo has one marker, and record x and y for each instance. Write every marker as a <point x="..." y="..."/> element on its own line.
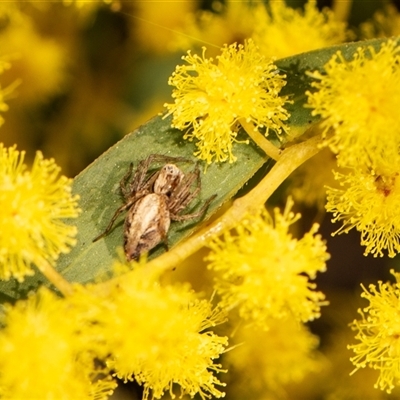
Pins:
<point x="124" y="182"/>
<point x="199" y="213"/>
<point x="114" y="217"/>
<point x="139" y="181"/>
<point x="183" y="195"/>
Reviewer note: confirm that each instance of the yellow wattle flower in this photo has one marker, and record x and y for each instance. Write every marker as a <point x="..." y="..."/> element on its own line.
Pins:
<point x="358" y="101"/>
<point x="46" y="353"/>
<point x="263" y="362"/>
<point x="265" y="273"/>
<point x="38" y="62"/>
<point x="159" y="336"/>
<point x="282" y="31"/>
<point x="34" y="204"/>
<point x="212" y="97"/>
<point x="378" y="333"/>
<point x="369" y="201"/>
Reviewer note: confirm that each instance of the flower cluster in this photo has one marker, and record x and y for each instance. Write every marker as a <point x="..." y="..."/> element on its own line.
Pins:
<point x="211" y="98"/>
<point x="278" y="29"/>
<point x="370" y="203"/>
<point x="34" y="203"/>
<point x="226" y="22"/>
<point x="268" y="360"/>
<point x="158" y="336"/>
<point x="135" y="330"/>
<point x="378" y="333"/>
<point x="385" y="23"/>
<point x="37" y="61"/>
<point x="282" y="31"/>
<point x="358" y="100"/>
<point x="265" y="272"/>
<point x="46" y="353"/>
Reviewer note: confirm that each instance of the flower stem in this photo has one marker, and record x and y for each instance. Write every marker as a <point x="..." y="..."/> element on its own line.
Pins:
<point x="261" y="141"/>
<point x="290" y="159"/>
<point x="341" y="9"/>
<point x="55" y="278"/>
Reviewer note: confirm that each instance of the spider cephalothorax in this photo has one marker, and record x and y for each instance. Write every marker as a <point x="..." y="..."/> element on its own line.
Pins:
<point x="152" y="201"/>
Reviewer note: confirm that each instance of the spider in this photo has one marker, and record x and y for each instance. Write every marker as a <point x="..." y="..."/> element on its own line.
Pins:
<point x="153" y="200"/>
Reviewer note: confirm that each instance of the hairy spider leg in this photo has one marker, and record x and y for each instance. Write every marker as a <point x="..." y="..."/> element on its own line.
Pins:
<point x="194" y="215"/>
<point x="115" y="216"/>
<point x="183" y="195"/>
<point x="138" y="183"/>
<point x="124" y="181"/>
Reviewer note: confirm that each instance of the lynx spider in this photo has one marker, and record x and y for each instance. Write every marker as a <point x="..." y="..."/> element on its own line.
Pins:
<point x="152" y="201"/>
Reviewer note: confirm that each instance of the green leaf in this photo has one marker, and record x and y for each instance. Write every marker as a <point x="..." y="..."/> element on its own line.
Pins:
<point x="98" y="184"/>
<point x="98" y="187"/>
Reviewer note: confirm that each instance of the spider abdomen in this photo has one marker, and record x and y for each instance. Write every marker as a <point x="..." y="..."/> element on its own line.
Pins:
<point x="146" y="225"/>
